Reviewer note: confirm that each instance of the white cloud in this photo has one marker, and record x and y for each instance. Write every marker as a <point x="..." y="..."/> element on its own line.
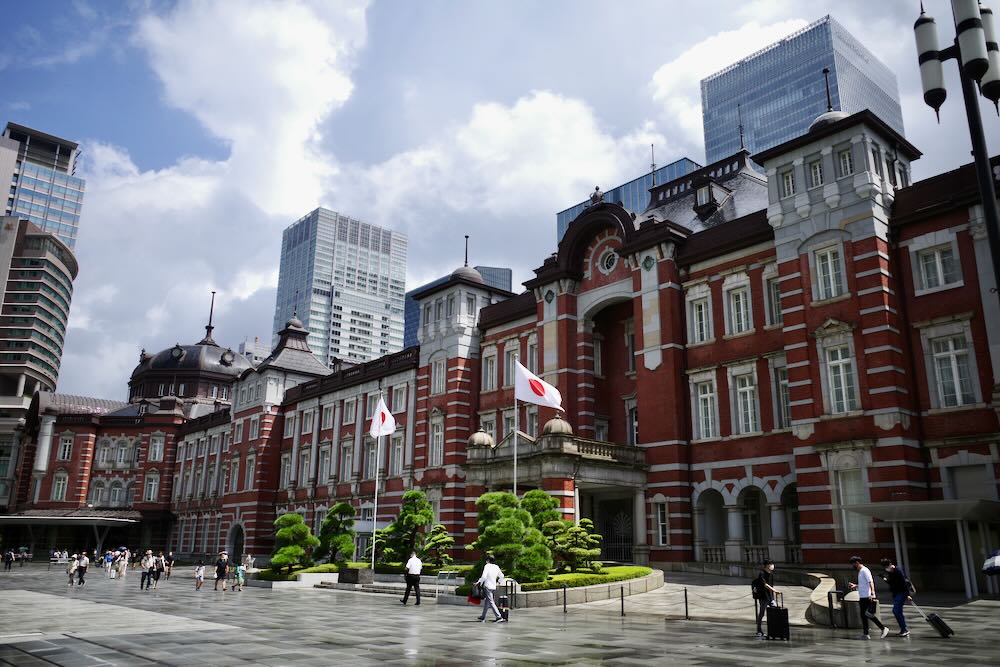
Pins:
<point x="676" y="85"/>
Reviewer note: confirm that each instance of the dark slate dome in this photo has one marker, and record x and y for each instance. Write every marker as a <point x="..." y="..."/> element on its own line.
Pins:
<point x="827" y="118"/>
<point x="202" y="357"/>
<point x="468" y="273"/>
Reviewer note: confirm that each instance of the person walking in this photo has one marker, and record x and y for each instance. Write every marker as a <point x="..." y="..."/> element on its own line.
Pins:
<point x="168" y="563"/>
<point x="901" y="590"/>
<point x="71" y="566"/>
<point x="491" y="577"/>
<point x="412" y="576"/>
<point x="158" y="567"/>
<point x="199" y="575"/>
<point x="81" y="569"/>
<point x="239" y="577"/>
<point x="8" y="560"/>
<point x="148" y="568"/>
<point x="764" y="591"/>
<point x="221" y="570"/>
<point x="867" y="602"/>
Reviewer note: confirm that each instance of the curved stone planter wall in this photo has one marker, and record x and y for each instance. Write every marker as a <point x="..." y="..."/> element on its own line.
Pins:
<point x="307" y="580"/>
<point x="580" y="594"/>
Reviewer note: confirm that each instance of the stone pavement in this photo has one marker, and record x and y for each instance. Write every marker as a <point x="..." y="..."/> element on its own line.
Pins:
<point x="43" y="622"/>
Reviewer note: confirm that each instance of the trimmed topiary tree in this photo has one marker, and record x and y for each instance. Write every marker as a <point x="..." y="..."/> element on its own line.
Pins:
<point x="542" y="507"/>
<point x="293" y="542"/>
<point x="574" y="547"/>
<point x="405" y="533"/>
<point x="336" y="535"/>
<point x="508" y="532"/>
<point x="437" y="547"/>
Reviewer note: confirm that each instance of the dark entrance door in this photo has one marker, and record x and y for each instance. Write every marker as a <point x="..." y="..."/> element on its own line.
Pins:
<point x="238" y="545"/>
<point x="616" y="527"/>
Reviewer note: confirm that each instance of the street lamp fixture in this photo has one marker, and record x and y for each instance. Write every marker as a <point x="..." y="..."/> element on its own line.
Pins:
<point x="977" y="53"/>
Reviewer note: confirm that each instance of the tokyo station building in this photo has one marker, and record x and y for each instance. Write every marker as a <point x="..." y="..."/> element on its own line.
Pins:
<point x="800" y="364"/>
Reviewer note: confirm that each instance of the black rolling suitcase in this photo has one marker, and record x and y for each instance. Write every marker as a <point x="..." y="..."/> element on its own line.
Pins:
<point x="936" y="622"/>
<point x="777" y="620"/>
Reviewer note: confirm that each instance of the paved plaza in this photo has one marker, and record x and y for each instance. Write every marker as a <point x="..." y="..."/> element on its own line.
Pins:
<point x="44" y="622"/>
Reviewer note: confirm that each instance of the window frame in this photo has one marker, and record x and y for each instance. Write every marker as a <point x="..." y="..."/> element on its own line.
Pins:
<point x="151" y="479"/>
<point x="700" y="416"/>
<point x="956" y="328"/>
<point x="662" y="518"/>
<point x="843" y="171"/>
<point x="814" y="171"/>
<point x="65" y="452"/>
<point x="821" y="284"/>
<point x="786" y="183"/>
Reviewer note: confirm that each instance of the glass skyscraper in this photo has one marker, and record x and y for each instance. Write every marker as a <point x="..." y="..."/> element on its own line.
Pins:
<point x="633" y="195"/>
<point x="494" y="276"/>
<point x="39" y="169"/>
<point x="779" y="90"/>
<point x="345" y="279"/>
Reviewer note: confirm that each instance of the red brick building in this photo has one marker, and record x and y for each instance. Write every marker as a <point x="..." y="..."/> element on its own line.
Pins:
<point x="799" y="364"/>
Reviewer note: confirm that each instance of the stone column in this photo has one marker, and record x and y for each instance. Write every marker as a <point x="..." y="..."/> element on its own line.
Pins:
<point x="359" y="437"/>
<point x="335" y="447"/>
<point x="41" y="464"/>
<point x="734" y="534"/>
<point x="640" y="551"/>
<point x="411" y="420"/>
<point x="293" y="472"/>
<point x="20" y="384"/>
<point x="314" y="452"/>
<point x="217" y="491"/>
<point x="699" y="533"/>
<point x="203" y="492"/>
<point x="179" y="457"/>
<point x="779" y="538"/>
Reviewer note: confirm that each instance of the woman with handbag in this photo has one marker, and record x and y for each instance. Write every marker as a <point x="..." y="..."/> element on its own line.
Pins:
<point x="487" y="583"/>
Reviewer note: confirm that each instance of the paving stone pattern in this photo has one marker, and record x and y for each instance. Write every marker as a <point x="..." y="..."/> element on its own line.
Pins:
<point x="44" y="622"/>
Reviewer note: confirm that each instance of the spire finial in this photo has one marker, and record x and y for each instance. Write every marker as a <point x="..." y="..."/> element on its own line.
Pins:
<point x="207" y="340"/>
<point x="826" y="79"/>
<point x="466" y="249"/>
<point x="921" y="7"/>
<point x="652" y="163"/>
<point x="739" y="120"/>
<point x="295" y="306"/>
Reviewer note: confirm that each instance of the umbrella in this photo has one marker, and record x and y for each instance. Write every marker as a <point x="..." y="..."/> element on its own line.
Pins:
<point x="992" y="564"/>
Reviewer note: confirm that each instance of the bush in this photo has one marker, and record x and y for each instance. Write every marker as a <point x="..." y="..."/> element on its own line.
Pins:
<point x="507" y="532"/>
<point x="336" y="535"/>
<point x="272" y="575"/>
<point x="293" y="542"/>
<point x="574" y="547"/>
<point x="574" y="580"/>
<point x="437" y="547"/>
<point x="405" y="534"/>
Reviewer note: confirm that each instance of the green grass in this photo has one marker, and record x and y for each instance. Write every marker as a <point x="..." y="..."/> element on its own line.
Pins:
<point x="575" y="579"/>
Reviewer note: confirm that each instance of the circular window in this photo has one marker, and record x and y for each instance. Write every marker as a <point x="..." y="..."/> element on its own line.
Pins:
<point x="609" y="260"/>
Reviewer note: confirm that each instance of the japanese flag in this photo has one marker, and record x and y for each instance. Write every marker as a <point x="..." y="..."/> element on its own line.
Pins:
<point x="530" y="389"/>
<point x="383" y="423"/>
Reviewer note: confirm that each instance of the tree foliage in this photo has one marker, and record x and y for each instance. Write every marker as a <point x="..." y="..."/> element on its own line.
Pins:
<point x="405" y="534"/>
<point x="293" y="542"/>
<point x="541" y="506"/>
<point x="336" y="535"/>
<point x="437" y="547"/>
<point x="507" y="532"/>
<point x="574" y="547"/>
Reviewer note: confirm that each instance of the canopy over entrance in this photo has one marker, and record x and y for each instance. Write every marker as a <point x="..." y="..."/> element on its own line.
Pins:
<point x="100" y="520"/>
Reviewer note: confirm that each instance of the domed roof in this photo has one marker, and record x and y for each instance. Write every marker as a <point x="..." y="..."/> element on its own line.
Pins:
<point x="480" y="439"/>
<point x="294" y="323"/>
<point x="557" y="426"/>
<point x="468" y="273"/>
<point x="827" y="118"/>
<point x="203" y="357"/>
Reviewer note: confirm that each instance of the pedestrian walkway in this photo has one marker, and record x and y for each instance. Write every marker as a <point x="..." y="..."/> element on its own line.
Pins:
<point x="44" y="622"/>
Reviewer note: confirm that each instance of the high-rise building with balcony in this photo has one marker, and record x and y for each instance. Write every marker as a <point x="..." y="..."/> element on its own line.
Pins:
<point x="345" y="280"/>
<point x="777" y="92"/>
<point x="40" y="170"/>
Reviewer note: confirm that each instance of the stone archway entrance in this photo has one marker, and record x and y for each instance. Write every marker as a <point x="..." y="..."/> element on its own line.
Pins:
<point x="236" y="543"/>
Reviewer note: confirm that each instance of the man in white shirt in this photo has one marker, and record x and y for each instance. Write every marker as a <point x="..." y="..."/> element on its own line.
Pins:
<point x="490" y="579"/>
<point x="866" y="598"/>
<point x="81" y="568"/>
<point x="413" y="567"/>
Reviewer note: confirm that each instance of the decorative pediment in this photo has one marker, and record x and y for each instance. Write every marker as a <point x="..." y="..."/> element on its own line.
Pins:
<point x="832" y="327"/>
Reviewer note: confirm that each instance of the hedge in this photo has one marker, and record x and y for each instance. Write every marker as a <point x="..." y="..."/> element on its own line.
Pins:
<point x="573" y="580"/>
<point x="381" y="568"/>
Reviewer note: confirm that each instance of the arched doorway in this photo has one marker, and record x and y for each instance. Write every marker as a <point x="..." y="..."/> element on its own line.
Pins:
<point x="756" y="524"/>
<point x="236" y="543"/>
<point x="790" y="506"/>
<point x="712" y="526"/>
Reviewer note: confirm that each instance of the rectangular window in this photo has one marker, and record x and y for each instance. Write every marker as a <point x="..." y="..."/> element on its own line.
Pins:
<point x="840" y="380"/>
<point x="601" y="430"/>
<point x="489" y="425"/>
<point x="938" y="267"/>
<point x="630" y="345"/>
<point x="371" y="404"/>
<point x="65" y="447"/>
<point x="437" y="444"/>
<point x="703" y="195"/>
<point x="251" y="469"/>
<point x="234" y="475"/>
<point x="290" y="425"/>
<point x="787" y="184"/>
<point x="396" y="461"/>
<point x="307" y="422"/>
<point x="845" y="163"/>
<point x="951" y="370"/>
<point x="254" y="428"/>
<point x="451" y="306"/>
<point x="470" y="306"/>
<point x="815" y="174"/>
<point x="438" y="371"/>
<point x="774" y="301"/>
<point x="632" y="417"/>
<point x="707" y="427"/>
<point x="152" y="488"/>
<point x="156" y="448"/>
<point x="327" y="416"/>
<point x="489" y="373"/>
<point x="509" y="351"/>
<point x="399" y="398"/>
<point x="238" y="435"/>
<point x="700" y="327"/>
<point x="851" y="491"/>
<point x="783" y="418"/>
<point x="739" y="310"/>
<point x="324" y="465"/>
<point x="662" y="525"/>
<point x="427" y="314"/>
<point x="508" y="423"/>
<point x="349" y="409"/>
<point x="369" y="458"/>
<point x="59" y="487"/>
<point x="829" y="273"/>
<point x="438" y="310"/>
<point x="303" y="468"/>
<point x="122" y="454"/>
<point x="532" y="357"/>
<point x="877" y="160"/>
<point x="598" y="356"/>
<point x="746" y="404"/>
<point x="346" y="461"/>
<point x="285" y="475"/>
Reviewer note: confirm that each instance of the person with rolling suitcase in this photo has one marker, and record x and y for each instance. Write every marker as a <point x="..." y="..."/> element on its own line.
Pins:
<point x="867" y="602"/>
<point x="901" y="590"/>
<point x="764" y="592"/>
<point x="936" y="622"/>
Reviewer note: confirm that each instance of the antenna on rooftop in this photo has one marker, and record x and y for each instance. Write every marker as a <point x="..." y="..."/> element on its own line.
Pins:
<point x="739" y="120"/>
<point x="652" y="163"/>
<point x="466" y="249"/>
<point x="826" y="79"/>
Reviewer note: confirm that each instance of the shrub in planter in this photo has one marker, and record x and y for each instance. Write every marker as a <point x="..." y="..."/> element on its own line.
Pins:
<point x="293" y="542"/>
<point x="436" y="553"/>
<point x="574" y="547"/>
<point x="507" y="532"/>
<point x="360" y="575"/>
<point x="336" y="535"/>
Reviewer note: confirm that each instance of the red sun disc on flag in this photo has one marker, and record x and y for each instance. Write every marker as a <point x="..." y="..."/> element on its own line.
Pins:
<point x="382" y="416"/>
<point x="536" y="387"/>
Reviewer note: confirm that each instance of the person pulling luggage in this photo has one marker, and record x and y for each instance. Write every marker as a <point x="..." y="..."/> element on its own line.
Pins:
<point x="901" y="590"/>
<point x="764" y="591"/>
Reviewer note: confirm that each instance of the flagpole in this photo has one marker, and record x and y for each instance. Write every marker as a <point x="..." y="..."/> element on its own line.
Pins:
<point x="378" y="446"/>
<point x="517" y="423"/>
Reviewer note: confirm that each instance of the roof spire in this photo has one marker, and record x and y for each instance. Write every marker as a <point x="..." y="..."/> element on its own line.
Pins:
<point x="826" y="79"/>
<point x="208" y="340"/>
<point x="739" y="120"/>
<point x="652" y="163"/>
<point x="466" y="249"/>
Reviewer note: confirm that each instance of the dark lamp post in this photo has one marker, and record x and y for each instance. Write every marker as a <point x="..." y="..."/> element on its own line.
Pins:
<point x="976" y="51"/>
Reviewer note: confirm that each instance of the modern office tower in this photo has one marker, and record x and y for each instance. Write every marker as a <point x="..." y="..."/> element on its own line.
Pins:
<point x="37" y="271"/>
<point x="778" y="91"/>
<point x="494" y="276"/>
<point x="345" y="280"/>
<point x="255" y="351"/>
<point x="39" y="168"/>
<point x="633" y="195"/>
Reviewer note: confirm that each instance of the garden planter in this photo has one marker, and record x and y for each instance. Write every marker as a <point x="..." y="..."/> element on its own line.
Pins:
<point x="363" y="575"/>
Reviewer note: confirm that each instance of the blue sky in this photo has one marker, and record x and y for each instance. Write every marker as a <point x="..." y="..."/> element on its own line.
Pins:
<point x="209" y="126"/>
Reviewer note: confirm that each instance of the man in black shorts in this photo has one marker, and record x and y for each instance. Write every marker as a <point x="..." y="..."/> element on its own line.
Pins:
<point x="221" y="570"/>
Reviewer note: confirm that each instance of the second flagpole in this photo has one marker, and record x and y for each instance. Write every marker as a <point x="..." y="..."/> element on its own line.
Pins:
<point x="378" y="446"/>
<point x="517" y="422"/>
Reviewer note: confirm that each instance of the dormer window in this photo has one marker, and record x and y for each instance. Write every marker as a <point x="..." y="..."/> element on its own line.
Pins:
<point x="704" y="195"/>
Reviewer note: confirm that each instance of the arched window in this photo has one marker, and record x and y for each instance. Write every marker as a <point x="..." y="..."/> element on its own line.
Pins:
<point x="129" y="493"/>
<point x="96" y="496"/>
<point x="122" y="456"/>
<point x="116" y="494"/>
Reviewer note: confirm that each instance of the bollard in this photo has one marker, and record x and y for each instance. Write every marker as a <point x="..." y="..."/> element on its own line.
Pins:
<point x="829" y="602"/>
<point x="622" y="589"/>
<point x="564" y="598"/>
<point x="686" y="617"/>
